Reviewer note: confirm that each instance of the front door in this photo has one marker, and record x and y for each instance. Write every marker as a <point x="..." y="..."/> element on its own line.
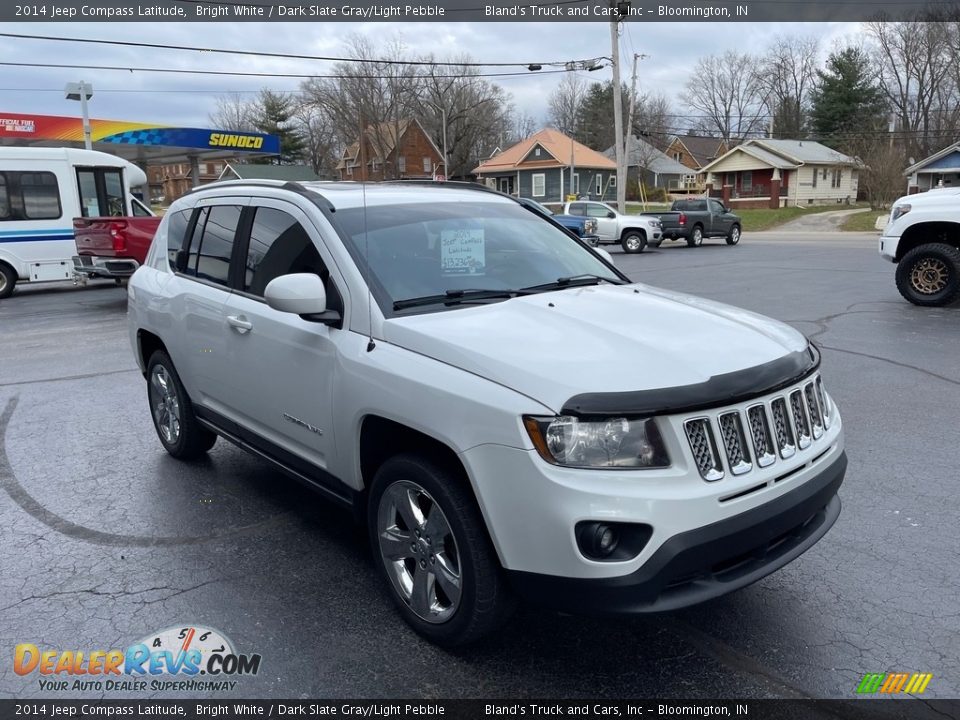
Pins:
<point x="606" y="226"/>
<point x="282" y="367"/>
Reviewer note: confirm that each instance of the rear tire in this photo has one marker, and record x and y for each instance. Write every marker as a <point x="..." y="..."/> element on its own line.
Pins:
<point x="734" y="237"/>
<point x="173" y="419"/>
<point x="696" y="237"/>
<point x="929" y="275"/>
<point x="633" y="242"/>
<point x="431" y="546"/>
<point x="8" y="279"/>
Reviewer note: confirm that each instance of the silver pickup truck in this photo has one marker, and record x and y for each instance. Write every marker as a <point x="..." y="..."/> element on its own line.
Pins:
<point x="633" y="232"/>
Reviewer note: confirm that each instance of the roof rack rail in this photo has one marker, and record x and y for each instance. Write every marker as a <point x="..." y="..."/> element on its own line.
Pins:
<point x="459" y="184"/>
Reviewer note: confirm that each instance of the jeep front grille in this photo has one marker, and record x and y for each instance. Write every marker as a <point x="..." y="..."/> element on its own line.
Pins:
<point x="734" y="440"/>
<point x="704" y="447"/>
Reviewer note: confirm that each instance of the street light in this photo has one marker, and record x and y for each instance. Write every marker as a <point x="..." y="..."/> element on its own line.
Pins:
<point x="81" y="91"/>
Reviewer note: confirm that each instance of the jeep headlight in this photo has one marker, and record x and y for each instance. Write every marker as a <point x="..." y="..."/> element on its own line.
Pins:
<point x="899" y="211"/>
<point x="602" y="443"/>
<point x="590" y="226"/>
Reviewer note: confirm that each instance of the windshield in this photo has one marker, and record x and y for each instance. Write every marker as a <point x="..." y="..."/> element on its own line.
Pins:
<point x="441" y="249"/>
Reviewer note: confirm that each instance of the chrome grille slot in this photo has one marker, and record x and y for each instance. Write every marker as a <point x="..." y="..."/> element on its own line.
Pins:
<point x="821" y="396"/>
<point x="704" y="448"/>
<point x="763" y="449"/>
<point x="735" y="443"/>
<point x="813" y="405"/>
<point x="800" y="420"/>
<point x="785" y="439"/>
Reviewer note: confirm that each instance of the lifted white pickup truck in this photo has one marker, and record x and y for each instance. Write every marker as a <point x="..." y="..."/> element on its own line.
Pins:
<point x="923" y="238"/>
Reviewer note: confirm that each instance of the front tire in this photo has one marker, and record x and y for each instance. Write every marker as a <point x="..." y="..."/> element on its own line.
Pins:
<point x="431" y="546"/>
<point x="8" y="279"/>
<point x="929" y="275"/>
<point x="633" y="242"/>
<point x="696" y="237"/>
<point x="173" y="419"/>
<point x="734" y="237"/>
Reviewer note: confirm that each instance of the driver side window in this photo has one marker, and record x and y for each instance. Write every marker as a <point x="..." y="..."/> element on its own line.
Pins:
<point x="597" y="210"/>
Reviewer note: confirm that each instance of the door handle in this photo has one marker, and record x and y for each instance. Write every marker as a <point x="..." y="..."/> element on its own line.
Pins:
<point x="238" y="323"/>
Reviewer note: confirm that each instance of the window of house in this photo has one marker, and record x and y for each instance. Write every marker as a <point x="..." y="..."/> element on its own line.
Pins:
<point x="746" y="180"/>
<point x="350" y="170"/>
<point x="402" y="164"/>
<point x="599" y="184"/>
<point x="539" y="185"/>
<point x="838" y="177"/>
<point x="613" y="181"/>
<point x="576" y="183"/>
<point x="677" y="156"/>
<point x="427" y="165"/>
<point x="816" y="173"/>
<point x="537" y="152"/>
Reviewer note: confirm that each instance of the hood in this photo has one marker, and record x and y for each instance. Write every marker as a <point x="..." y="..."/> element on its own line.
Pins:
<point x="554" y="346"/>
<point x="944" y="194"/>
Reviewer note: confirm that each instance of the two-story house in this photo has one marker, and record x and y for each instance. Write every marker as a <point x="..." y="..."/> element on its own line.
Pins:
<point x="398" y="150"/>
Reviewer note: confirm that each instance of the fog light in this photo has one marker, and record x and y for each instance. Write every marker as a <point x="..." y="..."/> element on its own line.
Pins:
<point x="611" y="542"/>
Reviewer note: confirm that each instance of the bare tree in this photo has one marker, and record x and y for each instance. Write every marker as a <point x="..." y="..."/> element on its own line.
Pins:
<point x="477" y="112"/>
<point x="375" y="96"/>
<point x="787" y="77"/>
<point x="565" y="101"/>
<point x="319" y="144"/>
<point x="523" y="126"/>
<point x="653" y="119"/>
<point x="917" y="63"/>
<point x="881" y="177"/>
<point x="234" y="112"/>
<point x="727" y="89"/>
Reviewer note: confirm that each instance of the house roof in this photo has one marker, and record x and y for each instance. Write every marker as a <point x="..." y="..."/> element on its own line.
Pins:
<point x="645" y="155"/>
<point x="250" y="171"/>
<point x="702" y="148"/>
<point x="382" y="139"/>
<point x="559" y="147"/>
<point x="786" y="154"/>
<point x="932" y="159"/>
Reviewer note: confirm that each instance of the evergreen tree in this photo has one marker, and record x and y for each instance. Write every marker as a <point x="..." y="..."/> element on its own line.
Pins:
<point x="274" y="114"/>
<point x="847" y="102"/>
<point x="595" y="125"/>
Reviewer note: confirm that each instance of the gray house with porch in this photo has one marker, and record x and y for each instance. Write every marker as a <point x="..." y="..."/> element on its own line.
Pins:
<point x="942" y="169"/>
<point x="547" y="167"/>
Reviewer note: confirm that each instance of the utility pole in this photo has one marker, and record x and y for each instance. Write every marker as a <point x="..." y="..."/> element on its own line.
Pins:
<point x="617" y="109"/>
<point x="629" y="134"/>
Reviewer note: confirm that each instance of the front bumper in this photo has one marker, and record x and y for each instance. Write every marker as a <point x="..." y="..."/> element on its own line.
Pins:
<point x="888" y="247"/>
<point x="106" y="267"/>
<point x="706" y="562"/>
<point x="592" y="240"/>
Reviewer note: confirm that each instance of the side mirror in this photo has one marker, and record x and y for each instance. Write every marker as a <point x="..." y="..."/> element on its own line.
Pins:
<point x="302" y="294"/>
<point x="604" y="254"/>
<point x="611" y="214"/>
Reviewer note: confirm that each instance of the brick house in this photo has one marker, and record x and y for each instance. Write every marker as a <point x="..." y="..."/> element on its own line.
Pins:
<point x="171" y="181"/>
<point x="392" y="151"/>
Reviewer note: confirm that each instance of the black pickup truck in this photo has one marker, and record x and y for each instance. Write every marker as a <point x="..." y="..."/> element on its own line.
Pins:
<point x="698" y="218"/>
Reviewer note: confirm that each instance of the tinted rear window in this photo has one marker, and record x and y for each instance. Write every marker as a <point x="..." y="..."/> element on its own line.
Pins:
<point x="216" y="243"/>
<point x="177" y="225"/>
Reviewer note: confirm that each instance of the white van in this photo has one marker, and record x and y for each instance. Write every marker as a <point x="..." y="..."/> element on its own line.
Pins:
<point x="41" y="191"/>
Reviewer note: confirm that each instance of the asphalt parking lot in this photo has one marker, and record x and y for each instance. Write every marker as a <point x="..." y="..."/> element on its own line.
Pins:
<point x="106" y="539"/>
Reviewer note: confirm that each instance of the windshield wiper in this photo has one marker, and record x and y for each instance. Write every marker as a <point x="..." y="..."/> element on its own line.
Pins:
<point x="456" y="297"/>
<point x="574" y="281"/>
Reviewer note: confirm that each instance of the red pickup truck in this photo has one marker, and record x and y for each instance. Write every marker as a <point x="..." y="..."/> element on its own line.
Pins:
<point x="112" y="247"/>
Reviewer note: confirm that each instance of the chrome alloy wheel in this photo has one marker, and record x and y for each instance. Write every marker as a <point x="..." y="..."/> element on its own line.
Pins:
<point x="419" y="551"/>
<point x="929" y="276"/>
<point x="165" y="405"/>
<point x="633" y="242"/>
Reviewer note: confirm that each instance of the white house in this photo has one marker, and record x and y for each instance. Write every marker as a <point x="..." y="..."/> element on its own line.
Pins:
<point x="779" y="173"/>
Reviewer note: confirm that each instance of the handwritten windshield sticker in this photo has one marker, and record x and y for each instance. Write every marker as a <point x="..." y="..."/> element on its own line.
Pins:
<point x="462" y="252"/>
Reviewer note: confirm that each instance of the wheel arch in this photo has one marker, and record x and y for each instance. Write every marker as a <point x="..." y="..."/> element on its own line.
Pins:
<point x="626" y="231"/>
<point x="147" y="345"/>
<point x="925" y="233"/>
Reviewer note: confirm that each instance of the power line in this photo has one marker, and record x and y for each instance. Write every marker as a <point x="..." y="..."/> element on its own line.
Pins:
<point x="287" y="56"/>
<point x="238" y="73"/>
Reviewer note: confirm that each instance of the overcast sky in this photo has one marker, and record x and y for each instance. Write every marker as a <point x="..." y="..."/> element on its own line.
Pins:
<point x="672" y="49"/>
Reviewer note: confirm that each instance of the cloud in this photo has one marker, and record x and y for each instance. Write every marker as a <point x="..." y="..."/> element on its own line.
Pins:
<point x="186" y="100"/>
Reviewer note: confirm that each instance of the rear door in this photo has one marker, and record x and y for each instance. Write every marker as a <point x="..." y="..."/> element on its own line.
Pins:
<point x="282" y="368"/>
<point x="199" y="295"/>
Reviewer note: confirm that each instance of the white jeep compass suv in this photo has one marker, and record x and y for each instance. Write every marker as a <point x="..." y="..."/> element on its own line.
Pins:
<point x="439" y="360"/>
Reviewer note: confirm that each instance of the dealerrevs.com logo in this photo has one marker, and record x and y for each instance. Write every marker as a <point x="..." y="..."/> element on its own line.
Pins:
<point x="172" y="659"/>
